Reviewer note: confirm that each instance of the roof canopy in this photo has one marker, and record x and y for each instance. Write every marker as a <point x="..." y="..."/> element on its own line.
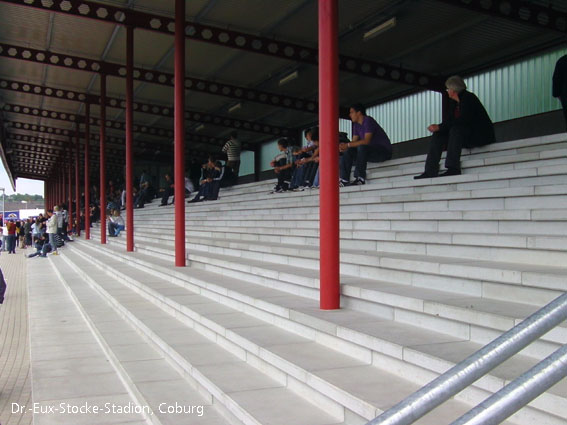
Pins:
<point x="251" y="66"/>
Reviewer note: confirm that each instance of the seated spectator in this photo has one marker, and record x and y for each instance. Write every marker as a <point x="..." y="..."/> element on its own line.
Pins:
<point x="115" y="223"/>
<point x="42" y="246"/>
<point x="369" y="143"/>
<point x="210" y="184"/>
<point x="283" y="166"/>
<point x="307" y="167"/>
<point x="143" y="195"/>
<point x="167" y="191"/>
<point x="467" y="125"/>
<point x="302" y="167"/>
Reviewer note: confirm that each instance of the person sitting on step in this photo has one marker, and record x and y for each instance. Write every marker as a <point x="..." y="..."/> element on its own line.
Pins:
<point x="467" y="125"/>
<point x="115" y="223"/>
<point x="369" y="143"/>
<point x="283" y="165"/>
<point x="305" y="166"/>
<point x="167" y="191"/>
<point x="209" y="185"/>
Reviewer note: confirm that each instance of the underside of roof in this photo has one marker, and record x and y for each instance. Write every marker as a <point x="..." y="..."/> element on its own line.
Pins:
<point x="238" y="53"/>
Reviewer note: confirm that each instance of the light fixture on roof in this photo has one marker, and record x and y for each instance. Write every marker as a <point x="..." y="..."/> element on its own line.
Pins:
<point x="379" y="29"/>
<point x="235" y="107"/>
<point x="288" y="78"/>
<point x="199" y="128"/>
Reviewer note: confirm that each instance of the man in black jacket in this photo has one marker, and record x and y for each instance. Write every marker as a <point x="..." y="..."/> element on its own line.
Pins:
<point x="560" y="83"/>
<point x="467" y="125"/>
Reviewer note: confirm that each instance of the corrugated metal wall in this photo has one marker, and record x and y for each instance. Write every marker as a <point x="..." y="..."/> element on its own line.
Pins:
<point x="516" y="90"/>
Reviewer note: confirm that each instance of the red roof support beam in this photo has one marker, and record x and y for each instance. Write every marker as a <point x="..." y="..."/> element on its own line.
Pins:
<point x="102" y="159"/>
<point x="129" y="138"/>
<point x="179" y="144"/>
<point x="518" y="11"/>
<point x="329" y="273"/>
<point x="155" y="77"/>
<point x="87" y="174"/>
<point x="235" y="39"/>
<point x="77" y="183"/>
<point x="162" y="110"/>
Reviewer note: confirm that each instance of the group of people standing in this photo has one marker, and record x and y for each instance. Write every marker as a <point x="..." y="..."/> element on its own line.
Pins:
<point x="466" y="125"/>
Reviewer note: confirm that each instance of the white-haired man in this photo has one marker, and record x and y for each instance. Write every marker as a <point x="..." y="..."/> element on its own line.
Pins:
<point x="467" y="125"/>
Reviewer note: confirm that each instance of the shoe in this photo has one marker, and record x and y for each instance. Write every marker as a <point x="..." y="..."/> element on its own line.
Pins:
<point x="298" y="189"/>
<point x="162" y="205"/>
<point x="55" y="253"/>
<point x="359" y="181"/>
<point x="450" y="172"/>
<point x="424" y="176"/>
<point x="343" y="183"/>
<point x="194" y="200"/>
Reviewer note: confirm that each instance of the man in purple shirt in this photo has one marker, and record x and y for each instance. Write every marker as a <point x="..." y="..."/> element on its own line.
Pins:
<point x="369" y="143"/>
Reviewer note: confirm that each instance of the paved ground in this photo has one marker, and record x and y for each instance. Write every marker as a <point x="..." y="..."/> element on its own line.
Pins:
<point x="15" y="379"/>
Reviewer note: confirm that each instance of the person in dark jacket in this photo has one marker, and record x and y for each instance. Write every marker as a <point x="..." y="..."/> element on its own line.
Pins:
<point x="2" y="287"/>
<point x="168" y="190"/>
<point x="467" y="125"/>
<point x="559" y="88"/>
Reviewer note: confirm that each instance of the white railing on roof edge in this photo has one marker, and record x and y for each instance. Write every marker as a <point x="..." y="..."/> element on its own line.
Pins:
<point x="483" y="361"/>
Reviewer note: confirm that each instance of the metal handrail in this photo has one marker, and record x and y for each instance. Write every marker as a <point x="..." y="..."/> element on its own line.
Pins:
<point x="475" y="366"/>
<point x="519" y="392"/>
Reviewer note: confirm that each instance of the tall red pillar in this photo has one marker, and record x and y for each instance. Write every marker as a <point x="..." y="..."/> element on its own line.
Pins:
<point x="102" y="161"/>
<point x="77" y="183"/>
<point x="179" y="147"/>
<point x="129" y="138"/>
<point x="69" y="193"/>
<point x="329" y="274"/>
<point x="87" y="180"/>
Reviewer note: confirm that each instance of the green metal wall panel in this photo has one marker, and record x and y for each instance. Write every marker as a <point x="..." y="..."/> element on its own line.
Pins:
<point x="513" y="91"/>
<point x="246" y="163"/>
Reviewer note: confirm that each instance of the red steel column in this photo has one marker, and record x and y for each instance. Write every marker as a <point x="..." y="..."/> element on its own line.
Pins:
<point x="329" y="274"/>
<point x="77" y="183"/>
<point x="179" y="122"/>
<point x="87" y="188"/>
<point x="70" y="193"/>
<point x="102" y="161"/>
<point x="129" y="137"/>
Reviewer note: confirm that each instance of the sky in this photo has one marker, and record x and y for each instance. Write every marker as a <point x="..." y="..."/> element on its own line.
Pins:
<point x="31" y="187"/>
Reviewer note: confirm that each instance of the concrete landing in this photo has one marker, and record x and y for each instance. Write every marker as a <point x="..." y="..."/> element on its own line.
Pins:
<point x="15" y="379"/>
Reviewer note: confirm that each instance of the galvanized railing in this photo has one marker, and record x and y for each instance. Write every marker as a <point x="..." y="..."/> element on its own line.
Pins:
<point x="510" y="398"/>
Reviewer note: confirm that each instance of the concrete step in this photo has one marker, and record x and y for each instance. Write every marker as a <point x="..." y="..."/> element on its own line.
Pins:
<point x="532" y="284"/>
<point x="385" y="348"/>
<point x="458" y="297"/>
<point x="69" y="368"/>
<point x="218" y="369"/>
<point x="274" y="351"/>
<point x="369" y="235"/>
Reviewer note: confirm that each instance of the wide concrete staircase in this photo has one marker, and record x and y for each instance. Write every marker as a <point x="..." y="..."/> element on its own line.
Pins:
<point x="431" y="271"/>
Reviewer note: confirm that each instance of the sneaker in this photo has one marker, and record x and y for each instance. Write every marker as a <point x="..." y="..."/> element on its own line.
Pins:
<point x="359" y="181"/>
<point x="343" y="183"/>
<point x="298" y="189"/>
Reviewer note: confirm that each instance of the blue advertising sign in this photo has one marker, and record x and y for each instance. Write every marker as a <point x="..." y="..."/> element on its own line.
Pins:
<point x="11" y="215"/>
